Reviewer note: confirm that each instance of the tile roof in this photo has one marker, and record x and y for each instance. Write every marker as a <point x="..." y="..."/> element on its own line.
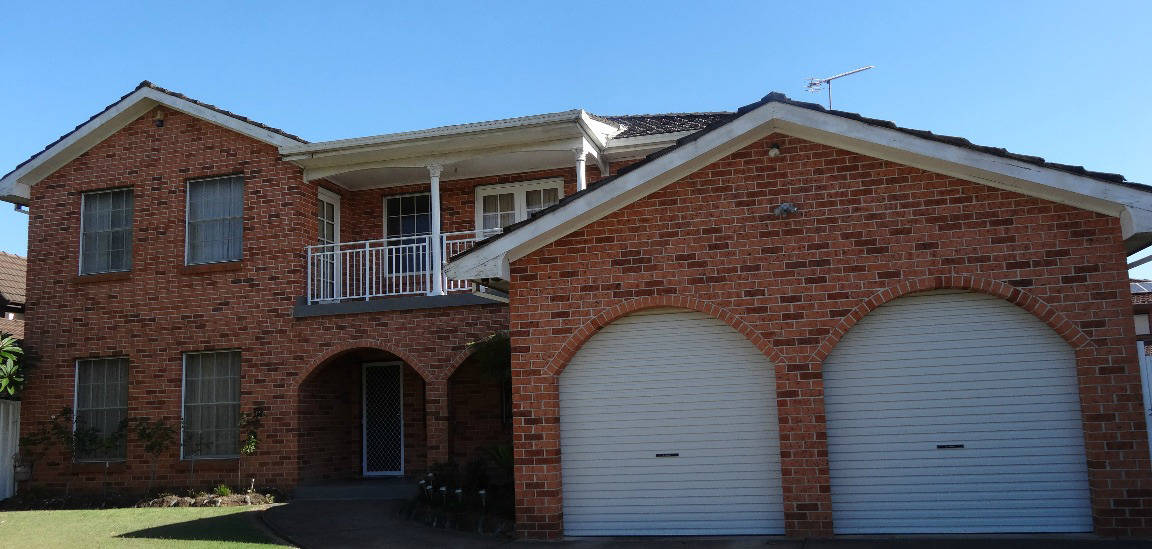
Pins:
<point x="1141" y="291"/>
<point x="13" y="270"/>
<point x="147" y="84"/>
<point x="12" y="327"/>
<point x="778" y="97"/>
<point x="653" y="124"/>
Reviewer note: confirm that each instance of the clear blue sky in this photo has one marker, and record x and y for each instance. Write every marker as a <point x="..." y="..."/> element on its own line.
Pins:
<point x="1064" y="80"/>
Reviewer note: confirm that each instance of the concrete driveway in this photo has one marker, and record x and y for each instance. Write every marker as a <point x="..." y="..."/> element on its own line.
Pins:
<point x="319" y="524"/>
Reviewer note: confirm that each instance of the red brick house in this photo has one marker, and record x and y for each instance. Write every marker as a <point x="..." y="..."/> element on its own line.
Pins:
<point x="779" y="320"/>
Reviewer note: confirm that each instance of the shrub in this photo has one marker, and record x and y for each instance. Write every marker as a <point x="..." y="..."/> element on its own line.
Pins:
<point x="222" y="490"/>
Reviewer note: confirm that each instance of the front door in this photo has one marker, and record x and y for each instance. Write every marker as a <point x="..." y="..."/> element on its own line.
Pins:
<point x="383" y="418"/>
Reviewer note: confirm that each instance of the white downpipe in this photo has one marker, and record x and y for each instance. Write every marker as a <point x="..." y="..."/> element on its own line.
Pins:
<point x="436" y="240"/>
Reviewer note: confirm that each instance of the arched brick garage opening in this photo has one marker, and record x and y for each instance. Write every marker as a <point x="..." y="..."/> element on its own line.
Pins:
<point x="951" y="411"/>
<point x="361" y="413"/>
<point x="668" y="426"/>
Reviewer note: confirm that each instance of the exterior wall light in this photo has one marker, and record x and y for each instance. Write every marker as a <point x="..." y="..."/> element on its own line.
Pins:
<point x="774" y="151"/>
<point x="158" y="120"/>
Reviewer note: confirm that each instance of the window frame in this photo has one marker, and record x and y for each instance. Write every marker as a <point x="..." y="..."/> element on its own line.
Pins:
<point x="188" y="220"/>
<point x="519" y="192"/>
<point x="76" y="403"/>
<point x="387" y="197"/>
<point x="131" y="230"/>
<point x="183" y="400"/>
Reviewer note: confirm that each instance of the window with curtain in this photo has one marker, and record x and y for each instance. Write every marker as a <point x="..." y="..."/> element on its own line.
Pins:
<point x="101" y="408"/>
<point x="106" y="229"/>
<point x="215" y="210"/>
<point x="211" y="404"/>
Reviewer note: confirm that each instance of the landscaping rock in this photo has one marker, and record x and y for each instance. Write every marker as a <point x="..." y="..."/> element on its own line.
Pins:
<point x="207" y="500"/>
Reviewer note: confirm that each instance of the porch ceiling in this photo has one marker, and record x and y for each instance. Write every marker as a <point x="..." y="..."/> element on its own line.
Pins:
<point x="413" y="170"/>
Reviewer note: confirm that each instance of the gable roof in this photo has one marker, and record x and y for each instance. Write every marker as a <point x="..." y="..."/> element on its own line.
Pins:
<point x="636" y="125"/>
<point x="14" y="184"/>
<point x="13" y="272"/>
<point x="1103" y="192"/>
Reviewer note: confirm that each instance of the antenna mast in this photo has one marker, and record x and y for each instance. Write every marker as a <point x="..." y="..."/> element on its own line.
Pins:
<point x="817" y="84"/>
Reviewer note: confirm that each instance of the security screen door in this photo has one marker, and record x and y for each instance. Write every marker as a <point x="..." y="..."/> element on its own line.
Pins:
<point x="383" y="419"/>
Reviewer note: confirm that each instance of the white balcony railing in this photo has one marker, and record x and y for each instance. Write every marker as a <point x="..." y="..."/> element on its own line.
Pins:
<point x="381" y="268"/>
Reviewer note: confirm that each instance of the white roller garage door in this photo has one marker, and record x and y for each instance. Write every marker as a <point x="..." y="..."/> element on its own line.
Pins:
<point x="955" y="412"/>
<point x="668" y="427"/>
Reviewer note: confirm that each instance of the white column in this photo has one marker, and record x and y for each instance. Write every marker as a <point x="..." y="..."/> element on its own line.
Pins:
<point x="581" y="168"/>
<point x="436" y="243"/>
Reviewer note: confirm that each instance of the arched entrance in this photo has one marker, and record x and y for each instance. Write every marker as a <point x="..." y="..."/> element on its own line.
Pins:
<point x="361" y="414"/>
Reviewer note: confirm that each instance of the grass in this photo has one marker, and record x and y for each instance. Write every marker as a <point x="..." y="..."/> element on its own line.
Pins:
<point x="184" y="527"/>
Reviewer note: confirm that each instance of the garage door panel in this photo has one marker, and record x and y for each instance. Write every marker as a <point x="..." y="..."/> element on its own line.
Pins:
<point x="669" y="382"/>
<point x="954" y="368"/>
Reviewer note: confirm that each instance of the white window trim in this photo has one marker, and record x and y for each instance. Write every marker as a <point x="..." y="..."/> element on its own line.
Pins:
<point x="518" y="189"/>
<point x="131" y="226"/>
<point x="188" y="208"/>
<point x="384" y="220"/>
<point x="333" y="198"/>
<point x="76" y="403"/>
<point x="183" y="390"/>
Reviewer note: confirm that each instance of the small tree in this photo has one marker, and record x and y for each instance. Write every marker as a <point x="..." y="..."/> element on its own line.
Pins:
<point x="33" y="447"/>
<point x="11" y="366"/>
<point x="157" y="436"/>
<point x="250" y="425"/>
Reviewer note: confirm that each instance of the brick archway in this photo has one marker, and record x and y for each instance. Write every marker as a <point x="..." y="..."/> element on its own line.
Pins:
<point x="607" y="316"/>
<point x="327" y="355"/>
<point x="1034" y="305"/>
<point x="461" y="356"/>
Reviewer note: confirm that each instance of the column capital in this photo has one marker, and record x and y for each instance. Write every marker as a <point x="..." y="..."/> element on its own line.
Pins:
<point x="580" y="153"/>
<point x="434" y="170"/>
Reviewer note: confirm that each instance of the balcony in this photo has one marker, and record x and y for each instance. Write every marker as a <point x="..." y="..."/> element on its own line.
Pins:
<point x="386" y="267"/>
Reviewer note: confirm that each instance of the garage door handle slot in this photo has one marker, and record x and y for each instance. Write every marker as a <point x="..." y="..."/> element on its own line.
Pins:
<point x="948" y="446"/>
<point x="669" y="455"/>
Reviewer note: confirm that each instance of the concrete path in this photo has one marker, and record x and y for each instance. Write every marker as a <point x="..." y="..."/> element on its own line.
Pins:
<point x="314" y="524"/>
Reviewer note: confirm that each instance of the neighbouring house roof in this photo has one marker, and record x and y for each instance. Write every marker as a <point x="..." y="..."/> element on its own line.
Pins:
<point x="13" y="271"/>
<point x="12" y="327"/>
<point x="1097" y="191"/>
<point x="1141" y="291"/>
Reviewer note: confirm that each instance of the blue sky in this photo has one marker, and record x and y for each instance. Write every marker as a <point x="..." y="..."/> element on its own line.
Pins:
<point x="1063" y="80"/>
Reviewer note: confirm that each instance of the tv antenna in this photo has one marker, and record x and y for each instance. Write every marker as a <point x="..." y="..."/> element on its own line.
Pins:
<point x="817" y="84"/>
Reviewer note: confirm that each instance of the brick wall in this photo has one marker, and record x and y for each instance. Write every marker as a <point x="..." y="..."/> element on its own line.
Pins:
<point x="867" y="231"/>
<point x="162" y="308"/>
<point x="475" y="404"/>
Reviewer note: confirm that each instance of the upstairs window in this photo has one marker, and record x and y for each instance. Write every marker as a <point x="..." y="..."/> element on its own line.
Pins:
<point x="106" y="231"/>
<point x="211" y="404"/>
<point x="498" y="206"/>
<point x="101" y="409"/>
<point x="215" y="210"/>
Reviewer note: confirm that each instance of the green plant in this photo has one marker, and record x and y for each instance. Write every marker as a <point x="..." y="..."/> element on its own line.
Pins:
<point x="502" y="457"/>
<point x="222" y="490"/>
<point x="157" y="436"/>
<point x="11" y="366"/>
<point x="250" y="425"/>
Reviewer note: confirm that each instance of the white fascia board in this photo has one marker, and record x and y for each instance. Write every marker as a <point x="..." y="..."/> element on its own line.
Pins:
<point x="1133" y="206"/>
<point x="295" y="152"/>
<point x="17" y="185"/>
<point x="598" y="131"/>
<point x="641" y="145"/>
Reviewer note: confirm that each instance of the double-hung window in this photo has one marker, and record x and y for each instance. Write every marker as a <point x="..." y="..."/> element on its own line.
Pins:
<point x="215" y="213"/>
<point x="498" y="206"/>
<point x="211" y="404"/>
<point x="106" y="231"/>
<point x="101" y="408"/>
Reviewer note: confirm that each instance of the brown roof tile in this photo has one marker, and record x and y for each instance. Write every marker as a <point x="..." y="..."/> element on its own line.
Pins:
<point x="13" y="270"/>
<point x="12" y="327"/>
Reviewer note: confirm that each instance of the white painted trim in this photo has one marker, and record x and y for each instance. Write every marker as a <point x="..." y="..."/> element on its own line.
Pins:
<point x="441" y="131"/>
<point x="325" y="195"/>
<point x="364" y="419"/>
<point x="518" y="189"/>
<point x="1083" y="192"/>
<point x="17" y="185"/>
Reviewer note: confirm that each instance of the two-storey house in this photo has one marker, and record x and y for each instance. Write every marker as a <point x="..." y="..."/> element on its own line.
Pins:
<point x="777" y="320"/>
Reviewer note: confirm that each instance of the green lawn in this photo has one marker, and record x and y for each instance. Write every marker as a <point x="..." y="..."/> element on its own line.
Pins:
<point x="192" y="527"/>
